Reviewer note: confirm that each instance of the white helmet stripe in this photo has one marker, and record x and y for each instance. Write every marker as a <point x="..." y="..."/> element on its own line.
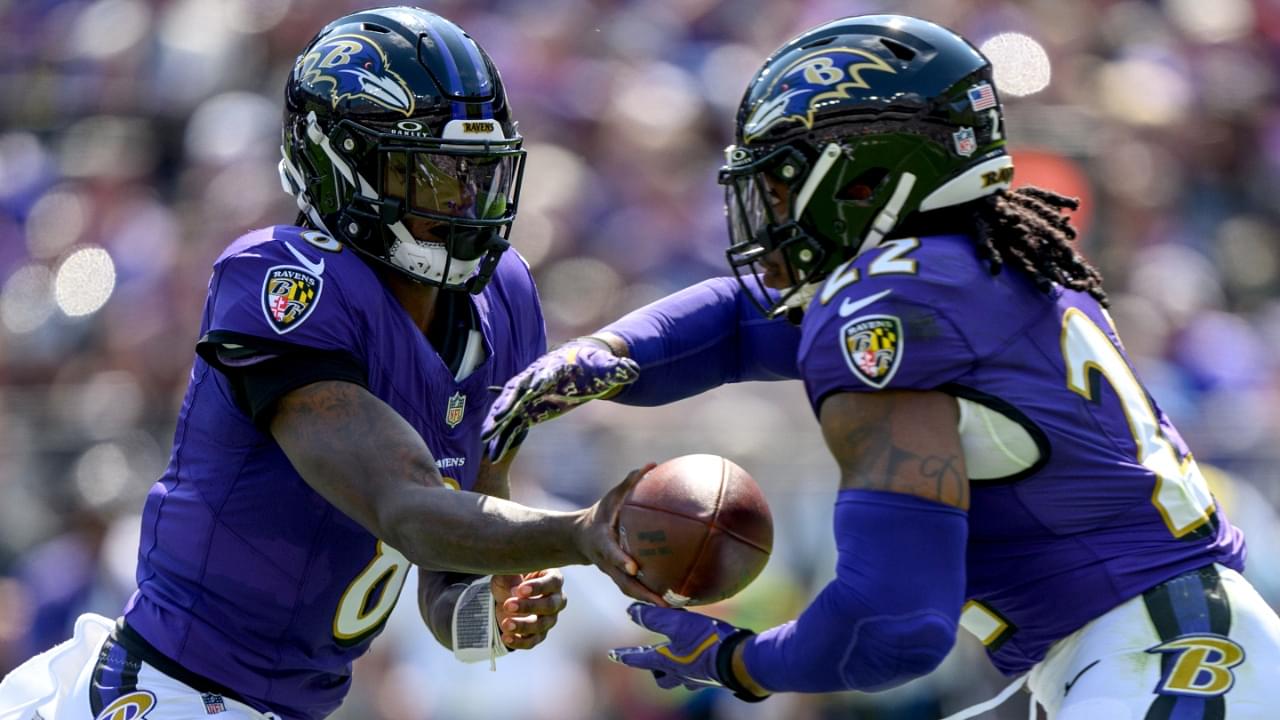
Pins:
<point x="820" y="169"/>
<point x="969" y="185"/>
<point x="888" y="216"/>
<point x="294" y="184"/>
<point x="316" y="136"/>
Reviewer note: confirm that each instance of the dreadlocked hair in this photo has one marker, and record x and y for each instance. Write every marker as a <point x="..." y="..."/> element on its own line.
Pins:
<point x="1026" y="228"/>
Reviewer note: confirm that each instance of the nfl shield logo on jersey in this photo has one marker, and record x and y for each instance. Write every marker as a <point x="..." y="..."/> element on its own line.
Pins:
<point x="289" y="294"/>
<point x="457" y="406"/>
<point x="872" y="348"/>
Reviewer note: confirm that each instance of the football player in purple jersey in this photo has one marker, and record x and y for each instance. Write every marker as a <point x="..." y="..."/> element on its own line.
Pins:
<point x="1002" y="469"/>
<point x="329" y="440"/>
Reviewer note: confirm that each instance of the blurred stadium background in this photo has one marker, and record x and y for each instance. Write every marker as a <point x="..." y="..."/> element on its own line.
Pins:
<point x="138" y="137"/>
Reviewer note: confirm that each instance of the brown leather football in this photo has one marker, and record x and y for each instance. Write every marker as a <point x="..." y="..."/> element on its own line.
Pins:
<point x="699" y="527"/>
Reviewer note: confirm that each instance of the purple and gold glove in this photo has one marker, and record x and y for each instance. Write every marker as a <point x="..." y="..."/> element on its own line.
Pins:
<point x="578" y="371"/>
<point x="698" y="652"/>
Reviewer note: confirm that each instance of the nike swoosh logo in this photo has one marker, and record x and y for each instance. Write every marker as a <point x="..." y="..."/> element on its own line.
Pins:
<point x="851" y="306"/>
<point x="1077" y="677"/>
<point x="317" y="268"/>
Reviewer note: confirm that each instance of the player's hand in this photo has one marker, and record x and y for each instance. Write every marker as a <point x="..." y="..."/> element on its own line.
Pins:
<point x="598" y="540"/>
<point x="695" y="654"/>
<point x="572" y="374"/>
<point x="527" y="606"/>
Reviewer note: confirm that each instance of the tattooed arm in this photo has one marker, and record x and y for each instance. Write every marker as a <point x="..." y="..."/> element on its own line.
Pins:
<point x="899" y="441"/>
<point x="891" y="613"/>
<point x="366" y="460"/>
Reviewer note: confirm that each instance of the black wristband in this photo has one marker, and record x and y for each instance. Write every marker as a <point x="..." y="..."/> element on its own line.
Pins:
<point x="724" y="666"/>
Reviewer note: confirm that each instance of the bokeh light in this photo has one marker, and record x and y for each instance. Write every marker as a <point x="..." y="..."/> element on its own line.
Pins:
<point x="1020" y="64"/>
<point x="255" y="16"/>
<point x="1211" y="22"/>
<point x="26" y="301"/>
<point x="1144" y="91"/>
<point x="108" y="28"/>
<point x="56" y="222"/>
<point x="84" y="281"/>
<point x="23" y="159"/>
<point x="579" y="291"/>
<point x="101" y="474"/>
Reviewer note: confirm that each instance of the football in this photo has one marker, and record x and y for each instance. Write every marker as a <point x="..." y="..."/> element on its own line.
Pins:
<point x="699" y="527"/>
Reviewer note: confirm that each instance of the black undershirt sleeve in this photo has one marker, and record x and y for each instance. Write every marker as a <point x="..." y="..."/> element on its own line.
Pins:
<point x="262" y="371"/>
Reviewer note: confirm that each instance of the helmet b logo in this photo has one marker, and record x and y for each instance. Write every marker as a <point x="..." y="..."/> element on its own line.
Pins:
<point x="355" y="67"/>
<point x="813" y="81"/>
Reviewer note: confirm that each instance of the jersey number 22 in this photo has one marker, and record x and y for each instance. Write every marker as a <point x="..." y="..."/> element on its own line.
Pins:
<point x="1181" y="493"/>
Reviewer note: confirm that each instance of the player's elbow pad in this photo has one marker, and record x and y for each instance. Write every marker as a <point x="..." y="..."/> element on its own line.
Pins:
<point x="904" y="648"/>
<point x="892" y="611"/>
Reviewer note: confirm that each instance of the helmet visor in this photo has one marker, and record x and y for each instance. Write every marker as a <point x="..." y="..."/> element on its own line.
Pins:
<point x="755" y="202"/>
<point x="448" y="185"/>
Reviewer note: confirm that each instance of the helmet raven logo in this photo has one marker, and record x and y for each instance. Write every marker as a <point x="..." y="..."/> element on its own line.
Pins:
<point x="824" y="75"/>
<point x="356" y="68"/>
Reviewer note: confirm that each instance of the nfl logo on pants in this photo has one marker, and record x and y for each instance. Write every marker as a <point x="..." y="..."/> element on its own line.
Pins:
<point x="213" y="704"/>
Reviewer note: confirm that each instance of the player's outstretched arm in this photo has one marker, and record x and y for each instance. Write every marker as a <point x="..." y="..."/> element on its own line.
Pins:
<point x="578" y="371"/>
<point x="366" y="460"/>
<point x="526" y="606"/>
<point x="691" y="341"/>
<point x="901" y="527"/>
<point x="891" y="613"/>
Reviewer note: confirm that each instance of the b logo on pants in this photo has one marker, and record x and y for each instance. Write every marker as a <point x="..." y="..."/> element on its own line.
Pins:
<point x="133" y="706"/>
<point x="1201" y="666"/>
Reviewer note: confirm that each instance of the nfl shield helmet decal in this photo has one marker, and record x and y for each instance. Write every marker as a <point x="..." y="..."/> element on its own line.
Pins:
<point x="965" y="140"/>
<point x="872" y="347"/>
<point x="457" y="406"/>
<point x="289" y="295"/>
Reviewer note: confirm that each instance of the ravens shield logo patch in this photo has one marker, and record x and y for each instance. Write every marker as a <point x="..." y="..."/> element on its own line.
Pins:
<point x="289" y="294"/>
<point x="872" y="348"/>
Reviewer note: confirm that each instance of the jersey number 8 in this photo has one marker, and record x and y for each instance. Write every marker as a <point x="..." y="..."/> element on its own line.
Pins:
<point x="359" y="615"/>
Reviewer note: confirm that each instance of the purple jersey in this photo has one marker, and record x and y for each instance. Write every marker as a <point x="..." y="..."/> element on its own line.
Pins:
<point x="248" y="577"/>
<point x="1106" y="500"/>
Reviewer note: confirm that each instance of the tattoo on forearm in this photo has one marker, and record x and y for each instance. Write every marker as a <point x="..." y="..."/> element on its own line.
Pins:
<point x="950" y="483"/>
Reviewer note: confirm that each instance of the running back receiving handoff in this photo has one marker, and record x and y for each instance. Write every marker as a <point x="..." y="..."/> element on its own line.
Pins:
<point x="1001" y="466"/>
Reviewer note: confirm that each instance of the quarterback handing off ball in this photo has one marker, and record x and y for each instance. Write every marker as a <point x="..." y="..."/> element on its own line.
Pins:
<point x="699" y="527"/>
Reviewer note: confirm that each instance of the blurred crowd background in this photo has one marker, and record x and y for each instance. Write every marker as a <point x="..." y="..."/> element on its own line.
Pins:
<point x="139" y="137"/>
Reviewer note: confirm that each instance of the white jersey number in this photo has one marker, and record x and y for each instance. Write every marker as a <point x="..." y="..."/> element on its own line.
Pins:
<point x="1181" y="494"/>
<point x="891" y="261"/>
<point x="357" y="614"/>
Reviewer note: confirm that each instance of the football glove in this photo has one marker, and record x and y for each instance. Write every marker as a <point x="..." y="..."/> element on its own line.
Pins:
<point x="698" y="652"/>
<point x="578" y="371"/>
